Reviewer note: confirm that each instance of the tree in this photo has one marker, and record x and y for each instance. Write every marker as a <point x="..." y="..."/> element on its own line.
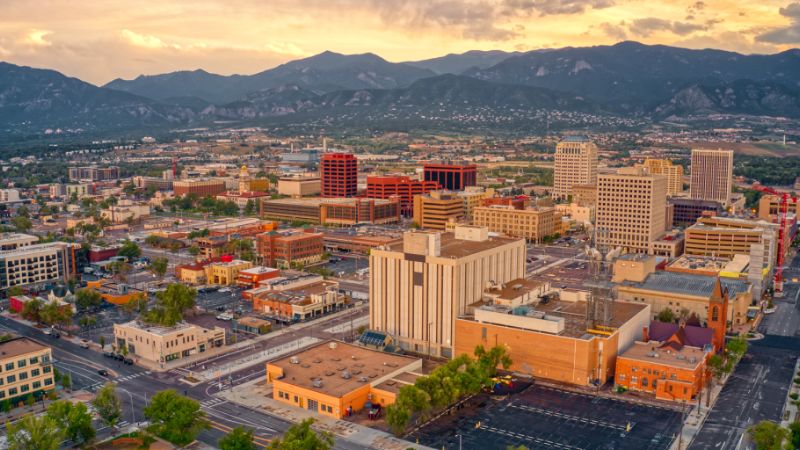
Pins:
<point x="193" y="250"/>
<point x="66" y="381"/>
<point x="171" y="304"/>
<point x="32" y="310"/>
<point x="666" y="315"/>
<point x="74" y="419"/>
<point x="768" y="435"/>
<point x="21" y="223"/>
<point x="794" y="429"/>
<point x="249" y="208"/>
<point x="87" y="298"/>
<point x="13" y="291"/>
<point x="174" y="417"/>
<point x="54" y="314"/>
<point x="301" y="437"/>
<point x="34" y="433"/>
<point x="130" y="250"/>
<point x="108" y="404"/>
<point x="159" y="266"/>
<point x="102" y="342"/>
<point x="736" y="348"/>
<point x="238" y="439"/>
<point x="23" y="211"/>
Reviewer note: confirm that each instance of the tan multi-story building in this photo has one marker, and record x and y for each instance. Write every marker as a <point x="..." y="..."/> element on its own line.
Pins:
<point x="157" y="345"/>
<point x="417" y="289"/>
<point x="13" y="241"/>
<point x="225" y="272"/>
<point x="673" y="172"/>
<point x="473" y="196"/>
<point x="769" y="207"/>
<point x="27" y="369"/>
<point x="584" y="194"/>
<point x="712" y="175"/>
<point x="198" y="186"/>
<point x="36" y="264"/>
<point x="435" y="209"/>
<point x="125" y="210"/>
<point x="631" y="209"/>
<point x="532" y="224"/>
<point x="575" y="163"/>
<point x="726" y="237"/>
<point x="333" y="211"/>
<point x="299" y="186"/>
<point x="284" y="248"/>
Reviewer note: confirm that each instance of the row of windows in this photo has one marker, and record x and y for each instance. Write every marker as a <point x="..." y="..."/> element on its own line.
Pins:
<point x="11" y="392"/>
<point x="23" y="362"/>
<point x="296" y="399"/>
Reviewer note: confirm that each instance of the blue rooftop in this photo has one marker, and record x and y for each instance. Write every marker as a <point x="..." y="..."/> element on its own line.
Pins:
<point x="575" y="139"/>
<point x="681" y="283"/>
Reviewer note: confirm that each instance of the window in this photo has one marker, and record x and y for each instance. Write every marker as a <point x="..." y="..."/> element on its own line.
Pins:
<point x="35" y="372"/>
<point x="24" y="388"/>
<point x="715" y="314"/>
<point x="11" y="379"/>
<point x="2" y="394"/>
<point x="644" y="382"/>
<point x="12" y="391"/>
<point x="634" y="379"/>
<point x="21" y="363"/>
<point x="46" y="369"/>
<point x="23" y="375"/>
<point x="10" y="366"/>
<point x="296" y="400"/>
<point x="37" y="384"/>
<point x="34" y="360"/>
<point x="622" y="377"/>
<point x="48" y="381"/>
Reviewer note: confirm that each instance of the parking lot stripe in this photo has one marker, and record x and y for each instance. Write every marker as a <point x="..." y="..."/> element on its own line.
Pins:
<point x="537" y="440"/>
<point x="599" y="423"/>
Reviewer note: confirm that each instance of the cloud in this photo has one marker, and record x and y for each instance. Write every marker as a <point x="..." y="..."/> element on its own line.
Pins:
<point x="614" y="31"/>
<point x="38" y="38"/>
<point x="144" y="40"/>
<point x="553" y="7"/>
<point x="647" y="26"/>
<point x="785" y="35"/>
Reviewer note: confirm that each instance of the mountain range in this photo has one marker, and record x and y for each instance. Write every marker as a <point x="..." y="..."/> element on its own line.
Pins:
<point x="628" y="79"/>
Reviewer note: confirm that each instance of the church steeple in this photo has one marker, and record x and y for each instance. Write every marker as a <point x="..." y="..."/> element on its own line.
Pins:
<point x="718" y="314"/>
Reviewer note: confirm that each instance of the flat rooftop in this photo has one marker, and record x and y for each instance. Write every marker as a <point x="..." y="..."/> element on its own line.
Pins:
<point x="459" y="248"/>
<point x="157" y="329"/>
<point x="300" y="295"/>
<point x="514" y="288"/>
<point x="320" y="368"/>
<point x="317" y="201"/>
<point x="258" y="270"/>
<point x="709" y="264"/>
<point x="686" y="357"/>
<point x="19" y="346"/>
<point x="687" y="284"/>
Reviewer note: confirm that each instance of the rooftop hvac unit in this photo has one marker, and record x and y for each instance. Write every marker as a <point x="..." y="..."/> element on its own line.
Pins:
<point x="332" y="345"/>
<point x="294" y="360"/>
<point x="346" y="375"/>
<point x="317" y="383"/>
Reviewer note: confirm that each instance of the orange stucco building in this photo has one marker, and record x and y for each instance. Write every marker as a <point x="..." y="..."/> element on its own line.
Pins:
<point x="333" y="378"/>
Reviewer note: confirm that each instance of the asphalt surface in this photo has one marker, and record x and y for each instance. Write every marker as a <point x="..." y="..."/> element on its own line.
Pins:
<point x="546" y="418"/>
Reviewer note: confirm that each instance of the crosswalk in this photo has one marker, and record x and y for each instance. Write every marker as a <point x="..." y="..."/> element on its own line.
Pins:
<point x="212" y="402"/>
<point x="97" y="385"/>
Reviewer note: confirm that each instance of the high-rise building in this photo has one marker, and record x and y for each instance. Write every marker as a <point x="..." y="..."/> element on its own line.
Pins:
<point x="198" y="186"/>
<point x="436" y="208"/>
<point x="673" y="172"/>
<point x="93" y="173"/>
<point x="419" y="288"/>
<point x="403" y="187"/>
<point x="712" y="175"/>
<point x="575" y="163"/>
<point x="453" y="176"/>
<point x="339" y="175"/>
<point x="36" y="264"/>
<point x="631" y="209"/>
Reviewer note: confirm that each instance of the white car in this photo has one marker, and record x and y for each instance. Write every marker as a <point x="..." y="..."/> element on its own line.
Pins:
<point x="224" y="316"/>
<point x="225" y="289"/>
<point x="84" y="343"/>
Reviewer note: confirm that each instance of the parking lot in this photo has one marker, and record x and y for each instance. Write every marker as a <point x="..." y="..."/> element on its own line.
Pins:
<point x="543" y="417"/>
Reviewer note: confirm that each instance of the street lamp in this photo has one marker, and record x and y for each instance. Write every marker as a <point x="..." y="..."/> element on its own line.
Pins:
<point x="133" y="411"/>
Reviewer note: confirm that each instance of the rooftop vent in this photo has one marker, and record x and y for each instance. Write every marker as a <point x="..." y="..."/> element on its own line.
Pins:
<point x="346" y="375"/>
<point x="332" y="345"/>
<point x="317" y="383"/>
<point x="362" y="379"/>
<point x="294" y="360"/>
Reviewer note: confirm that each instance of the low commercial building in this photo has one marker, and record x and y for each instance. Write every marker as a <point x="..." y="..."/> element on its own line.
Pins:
<point x="669" y="245"/>
<point x="333" y="211"/>
<point x="117" y="293"/>
<point x="17" y="303"/>
<point x="299" y="186"/>
<point x="194" y="273"/>
<point x="124" y="211"/>
<point x="533" y="224"/>
<point x="337" y="379"/>
<point x="255" y="276"/>
<point x="769" y="207"/>
<point x="435" y="209"/>
<point x="211" y="246"/>
<point x="551" y="338"/>
<point x="474" y="196"/>
<point x="301" y="303"/>
<point x="225" y="272"/>
<point x="358" y="243"/>
<point x="157" y="345"/>
<point x="242" y="227"/>
<point x="27" y="369"/>
<point x="37" y="264"/>
<point x="201" y="187"/>
<point x="283" y="248"/>
<point x="243" y="198"/>
<point x="252" y="325"/>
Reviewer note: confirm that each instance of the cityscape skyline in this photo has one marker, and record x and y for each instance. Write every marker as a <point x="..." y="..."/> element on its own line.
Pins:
<point x="102" y="42"/>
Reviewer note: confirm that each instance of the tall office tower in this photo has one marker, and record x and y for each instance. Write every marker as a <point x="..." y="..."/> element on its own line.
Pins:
<point x="673" y="172"/>
<point x="575" y="163"/>
<point x="436" y="208"/>
<point x="712" y="175"/>
<point x="631" y="209"/>
<point x="339" y="175"/>
<point x="453" y="177"/>
<point x="417" y="289"/>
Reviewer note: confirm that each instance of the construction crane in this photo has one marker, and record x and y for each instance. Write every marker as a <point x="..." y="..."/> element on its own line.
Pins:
<point x="784" y="200"/>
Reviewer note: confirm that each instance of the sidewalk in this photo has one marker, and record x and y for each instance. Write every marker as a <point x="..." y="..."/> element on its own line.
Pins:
<point x="695" y="419"/>
<point x="791" y="413"/>
<point x="17" y="413"/>
<point x="258" y="396"/>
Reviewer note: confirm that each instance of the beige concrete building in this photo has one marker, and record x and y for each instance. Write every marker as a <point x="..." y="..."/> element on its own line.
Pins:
<point x="225" y="272"/>
<point x="575" y="163"/>
<point x="299" y="186"/>
<point x="36" y="264"/>
<point x="125" y="210"/>
<point x="726" y="237"/>
<point x="419" y="288"/>
<point x="532" y="224"/>
<point x="631" y="209"/>
<point x="769" y="207"/>
<point x="157" y="345"/>
<point x="13" y="241"/>
<point x="712" y="175"/>
<point x="434" y="209"/>
<point x="27" y="369"/>
<point x="473" y="196"/>
<point x="673" y="172"/>
<point x="584" y="194"/>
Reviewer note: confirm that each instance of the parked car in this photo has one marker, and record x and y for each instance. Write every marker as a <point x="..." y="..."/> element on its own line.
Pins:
<point x="128" y="361"/>
<point x="84" y="343"/>
<point x="108" y="354"/>
<point x="47" y="331"/>
<point x="225" y="316"/>
<point x="225" y="289"/>
<point x="103" y="372"/>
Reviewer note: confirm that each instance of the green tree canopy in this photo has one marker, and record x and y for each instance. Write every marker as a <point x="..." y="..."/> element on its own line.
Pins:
<point x="35" y="433"/>
<point x="768" y="435"/>
<point x="74" y="419"/>
<point x="301" y="437"/>
<point x="174" y="417"/>
<point x="32" y="310"/>
<point x="171" y="303"/>
<point x="108" y="404"/>
<point x="130" y="250"/>
<point x="159" y="266"/>
<point x="666" y="315"/>
<point x="22" y="223"/>
<point x="238" y="439"/>
<point x="87" y="298"/>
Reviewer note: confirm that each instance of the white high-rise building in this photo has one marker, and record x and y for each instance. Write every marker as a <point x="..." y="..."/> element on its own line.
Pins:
<point x="575" y="163"/>
<point x="712" y="175"/>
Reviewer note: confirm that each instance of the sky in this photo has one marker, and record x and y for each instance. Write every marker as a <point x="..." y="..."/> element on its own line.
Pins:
<point x="100" y="40"/>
